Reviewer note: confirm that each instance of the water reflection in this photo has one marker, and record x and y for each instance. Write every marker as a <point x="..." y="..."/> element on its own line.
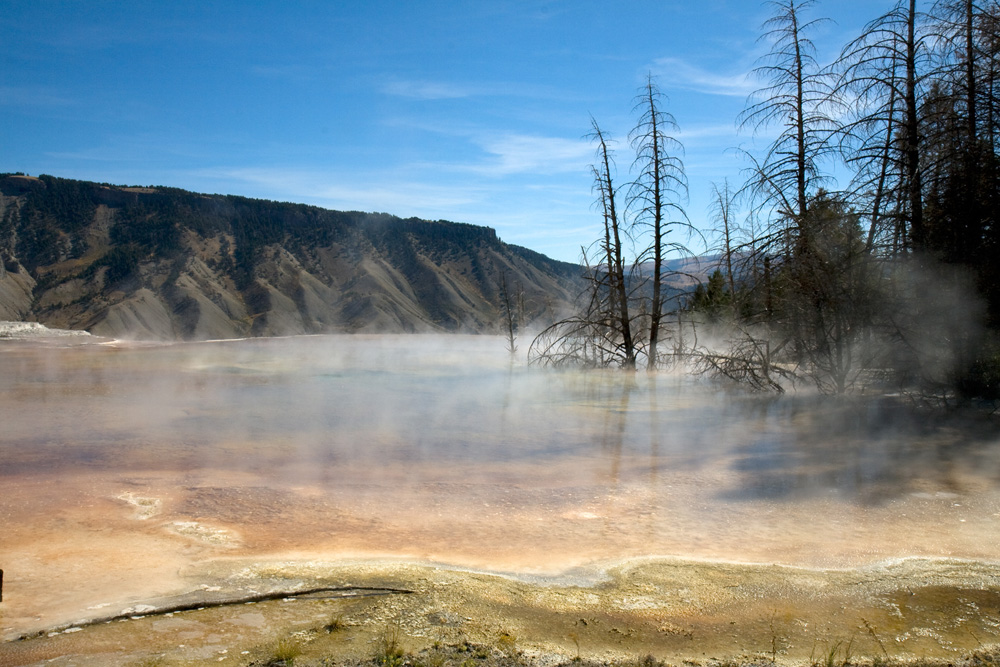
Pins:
<point x="397" y="441"/>
<point x="868" y="450"/>
<point x="418" y="411"/>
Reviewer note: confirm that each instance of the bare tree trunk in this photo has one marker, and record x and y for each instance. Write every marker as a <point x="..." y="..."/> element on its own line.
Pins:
<point x="880" y="189"/>
<point x="912" y="133"/>
<point x="509" y="316"/>
<point x="723" y="205"/>
<point x="970" y="78"/>
<point x="607" y="193"/>
<point x="654" y="195"/>
<point x="801" y="159"/>
<point x="656" y="309"/>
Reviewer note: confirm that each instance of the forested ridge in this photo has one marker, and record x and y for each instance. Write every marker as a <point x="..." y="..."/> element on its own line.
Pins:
<point x="166" y="263"/>
<point x="861" y="248"/>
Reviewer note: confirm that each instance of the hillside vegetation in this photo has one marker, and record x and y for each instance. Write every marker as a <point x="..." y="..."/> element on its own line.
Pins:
<point x="163" y="263"/>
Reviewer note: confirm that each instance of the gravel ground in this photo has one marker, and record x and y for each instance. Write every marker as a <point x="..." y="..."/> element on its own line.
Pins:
<point x="678" y="612"/>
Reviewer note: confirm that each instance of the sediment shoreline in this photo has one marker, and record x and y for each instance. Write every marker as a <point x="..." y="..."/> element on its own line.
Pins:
<point x="678" y="611"/>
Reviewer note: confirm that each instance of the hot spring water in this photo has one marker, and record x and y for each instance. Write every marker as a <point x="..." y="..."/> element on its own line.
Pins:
<point x="123" y="466"/>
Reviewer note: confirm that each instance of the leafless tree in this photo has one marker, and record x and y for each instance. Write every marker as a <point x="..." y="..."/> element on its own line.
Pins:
<point x="794" y="97"/>
<point x="723" y="210"/>
<point x="879" y="77"/>
<point x="601" y="333"/>
<point x="656" y="196"/>
<point x="511" y="311"/>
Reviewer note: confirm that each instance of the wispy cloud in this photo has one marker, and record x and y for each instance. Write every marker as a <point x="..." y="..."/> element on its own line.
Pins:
<point x="406" y="187"/>
<point x="364" y="192"/>
<point x="676" y="73"/>
<point x="707" y="132"/>
<point x="34" y="96"/>
<point x="498" y="154"/>
<point x="422" y="89"/>
<point x="521" y="153"/>
<point x="427" y="90"/>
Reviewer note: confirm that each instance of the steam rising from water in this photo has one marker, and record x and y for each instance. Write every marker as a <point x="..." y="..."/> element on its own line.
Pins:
<point x="437" y="448"/>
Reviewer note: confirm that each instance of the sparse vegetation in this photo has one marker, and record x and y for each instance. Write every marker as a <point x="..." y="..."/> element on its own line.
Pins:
<point x="152" y="661"/>
<point x="468" y="655"/>
<point x="282" y="653"/>
<point x="388" y="652"/>
<point x="336" y="624"/>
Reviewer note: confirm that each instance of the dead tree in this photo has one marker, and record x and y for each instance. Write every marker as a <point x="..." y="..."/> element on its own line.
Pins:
<point x="511" y="311"/>
<point x="879" y="76"/>
<point x="656" y="195"/>
<point x="601" y="333"/>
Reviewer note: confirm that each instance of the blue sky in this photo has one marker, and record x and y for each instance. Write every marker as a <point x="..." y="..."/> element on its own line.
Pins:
<point x="471" y="111"/>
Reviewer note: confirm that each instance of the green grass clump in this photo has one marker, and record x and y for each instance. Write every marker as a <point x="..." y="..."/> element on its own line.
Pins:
<point x="280" y="654"/>
<point x="388" y="652"/>
<point x="336" y="624"/>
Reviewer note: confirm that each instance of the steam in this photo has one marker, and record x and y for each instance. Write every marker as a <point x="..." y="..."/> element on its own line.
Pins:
<point x="914" y="326"/>
<point x="438" y="448"/>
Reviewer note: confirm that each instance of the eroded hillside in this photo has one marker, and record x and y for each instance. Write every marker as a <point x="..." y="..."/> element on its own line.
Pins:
<point x="162" y="263"/>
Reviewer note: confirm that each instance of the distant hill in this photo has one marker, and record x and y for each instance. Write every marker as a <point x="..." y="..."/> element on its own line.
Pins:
<point x="163" y="263"/>
<point x="685" y="273"/>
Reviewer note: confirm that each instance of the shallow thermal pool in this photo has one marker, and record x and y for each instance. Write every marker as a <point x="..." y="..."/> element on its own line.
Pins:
<point x="126" y="467"/>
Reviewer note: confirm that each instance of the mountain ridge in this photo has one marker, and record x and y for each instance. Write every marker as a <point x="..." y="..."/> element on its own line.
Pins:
<point x="163" y="263"/>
